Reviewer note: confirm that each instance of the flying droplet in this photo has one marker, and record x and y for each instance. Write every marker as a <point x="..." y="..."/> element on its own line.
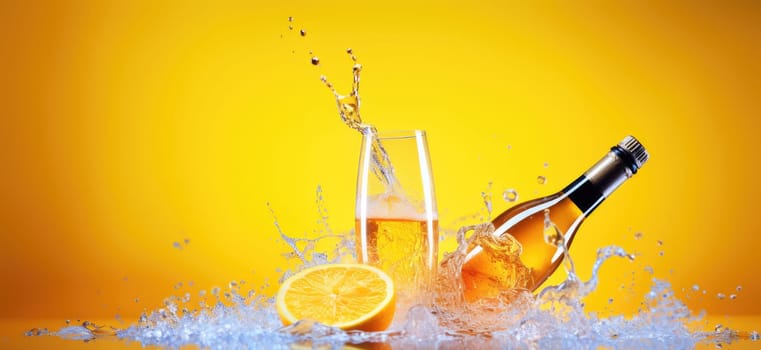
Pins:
<point x="303" y="32"/>
<point x="541" y="180"/>
<point x="315" y="60"/>
<point x="510" y="195"/>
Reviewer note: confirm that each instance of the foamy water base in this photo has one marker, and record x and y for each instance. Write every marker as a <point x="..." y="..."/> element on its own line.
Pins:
<point x="552" y="319"/>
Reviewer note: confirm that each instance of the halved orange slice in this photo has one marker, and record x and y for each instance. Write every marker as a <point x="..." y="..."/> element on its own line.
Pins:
<point x="347" y="296"/>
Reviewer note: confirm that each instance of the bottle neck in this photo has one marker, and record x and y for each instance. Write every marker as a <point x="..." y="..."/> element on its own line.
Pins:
<point x="597" y="183"/>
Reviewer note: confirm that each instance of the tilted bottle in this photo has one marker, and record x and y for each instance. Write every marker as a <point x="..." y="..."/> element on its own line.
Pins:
<point x="484" y="275"/>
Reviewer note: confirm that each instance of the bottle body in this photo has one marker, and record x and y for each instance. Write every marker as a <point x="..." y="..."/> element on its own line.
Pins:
<point x="486" y="271"/>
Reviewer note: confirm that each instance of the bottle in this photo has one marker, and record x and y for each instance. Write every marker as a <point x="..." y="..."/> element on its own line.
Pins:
<point x="486" y="271"/>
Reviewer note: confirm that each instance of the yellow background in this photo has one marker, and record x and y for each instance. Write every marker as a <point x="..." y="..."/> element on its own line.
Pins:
<point x="126" y="126"/>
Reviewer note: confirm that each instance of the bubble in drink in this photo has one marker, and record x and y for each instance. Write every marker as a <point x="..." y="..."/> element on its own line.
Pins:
<point x="695" y="287"/>
<point x="541" y="180"/>
<point x="739" y="288"/>
<point x="290" y="27"/>
<point x="315" y="60"/>
<point x="510" y="195"/>
<point x="638" y="235"/>
<point x="733" y="296"/>
<point x="721" y="296"/>
<point x="303" y="32"/>
<point x="290" y="19"/>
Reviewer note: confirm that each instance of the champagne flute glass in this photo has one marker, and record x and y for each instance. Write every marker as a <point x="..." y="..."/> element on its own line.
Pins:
<point x="396" y="214"/>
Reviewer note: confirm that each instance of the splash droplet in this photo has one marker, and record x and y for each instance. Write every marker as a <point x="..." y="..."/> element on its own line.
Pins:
<point x="695" y="287"/>
<point x="546" y="165"/>
<point x="739" y="288"/>
<point x="660" y="242"/>
<point x="290" y="27"/>
<point x="638" y="235"/>
<point x="721" y="296"/>
<point x="541" y="180"/>
<point x="290" y="19"/>
<point x="315" y="60"/>
<point x="754" y="336"/>
<point x="303" y="32"/>
<point x="349" y="51"/>
<point x="176" y="245"/>
<point x="733" y="296"/>
<point x="510" y="195"/>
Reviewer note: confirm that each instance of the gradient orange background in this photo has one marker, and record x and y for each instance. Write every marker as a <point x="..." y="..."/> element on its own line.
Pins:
<point x="126" y="126"/>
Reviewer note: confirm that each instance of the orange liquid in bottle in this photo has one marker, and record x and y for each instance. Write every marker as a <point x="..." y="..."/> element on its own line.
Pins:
<point x="489" y="270"/>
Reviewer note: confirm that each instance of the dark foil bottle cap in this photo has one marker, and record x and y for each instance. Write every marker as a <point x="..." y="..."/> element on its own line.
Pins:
<point x="633" y="151"/>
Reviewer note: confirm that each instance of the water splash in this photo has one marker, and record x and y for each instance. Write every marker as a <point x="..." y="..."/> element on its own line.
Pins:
<point x="553" y="318"/>
<point x="349" y="110"/>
